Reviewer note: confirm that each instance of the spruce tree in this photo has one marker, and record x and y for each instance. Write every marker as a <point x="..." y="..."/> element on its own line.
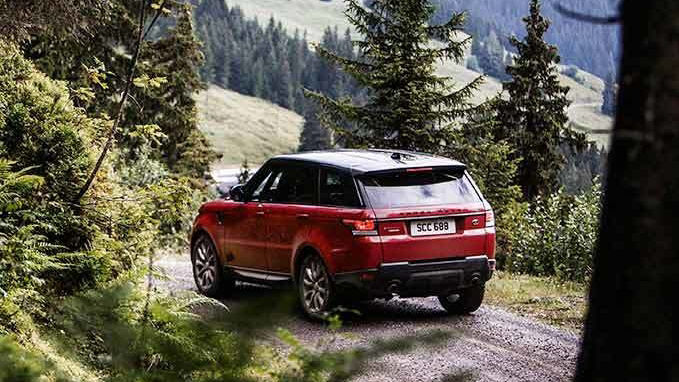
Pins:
<point x="282" y="86"/>
<point x="608" y="107"/>
<point x="314" y="135"/>
<point x="533" y="119"/>
<point x="491" y="58"/>
<point x="178" y="59"/>
<point x="409" y="107"/>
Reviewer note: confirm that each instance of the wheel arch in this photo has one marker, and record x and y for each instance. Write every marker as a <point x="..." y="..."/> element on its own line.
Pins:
<point x="304" y="250"/>
<point x="199" y="232"/>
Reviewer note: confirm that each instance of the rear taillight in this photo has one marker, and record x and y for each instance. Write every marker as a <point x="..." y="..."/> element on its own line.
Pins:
<point x="490" y="218"/>
<point x="363" y="227"/>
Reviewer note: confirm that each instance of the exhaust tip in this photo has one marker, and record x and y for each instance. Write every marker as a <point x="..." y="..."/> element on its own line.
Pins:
<point x="476" y="279"/>
<point x="394" y="287"/>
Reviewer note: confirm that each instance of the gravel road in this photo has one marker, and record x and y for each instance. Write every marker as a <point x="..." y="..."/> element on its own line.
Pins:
<point x="493" y="344"/>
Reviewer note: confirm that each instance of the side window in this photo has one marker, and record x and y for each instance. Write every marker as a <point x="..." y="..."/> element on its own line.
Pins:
<point x="258" y="183"/>
<point x="338" y="189"/>
<point x="296" y="185"/>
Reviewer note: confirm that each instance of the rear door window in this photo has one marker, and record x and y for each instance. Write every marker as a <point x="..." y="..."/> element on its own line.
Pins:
<point x="338" y="189"/>
<point x="413" y="189"/>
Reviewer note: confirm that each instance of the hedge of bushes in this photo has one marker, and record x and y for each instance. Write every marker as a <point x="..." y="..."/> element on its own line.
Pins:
<point x="553" y="236"/>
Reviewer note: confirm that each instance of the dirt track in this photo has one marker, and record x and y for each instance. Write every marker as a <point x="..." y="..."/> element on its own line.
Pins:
<point x="493" y="344"/>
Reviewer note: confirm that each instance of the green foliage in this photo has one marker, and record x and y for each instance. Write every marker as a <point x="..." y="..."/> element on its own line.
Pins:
<point x="582" y="168"/>
<point x="268" y="63"/>
<point x="492" y="163"/>
<point x="168" y="101"/>
<point x="166" y="80"/>
<point x="555" y="236"/>
<point x="534" y="118"/>
<point x="133" y="333"/>
<point x="136" y="336"/>
<point x="42" y="131"/>
<point x="49" y="243"/>
<point x="314" y="136"/>
<point x="18" y="20"/>
<point x="491" y="56"/>
<point x="408" y="107"/>
<point x="20" y="365"/>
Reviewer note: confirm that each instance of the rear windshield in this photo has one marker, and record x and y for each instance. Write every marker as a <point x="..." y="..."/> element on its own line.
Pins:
<point x="412" y="189"/>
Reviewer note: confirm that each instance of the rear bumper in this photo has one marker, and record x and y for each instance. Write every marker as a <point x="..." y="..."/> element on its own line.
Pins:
<point x="419" y="279"/>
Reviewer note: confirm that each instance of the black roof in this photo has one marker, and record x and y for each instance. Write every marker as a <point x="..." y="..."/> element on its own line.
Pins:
<point x="362" y="161"/>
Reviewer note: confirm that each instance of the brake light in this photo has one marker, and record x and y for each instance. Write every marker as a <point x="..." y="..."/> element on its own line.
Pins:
<point x="363" y="227"/>
<point x="421" y="169"/>
<point x="490" y="218"/>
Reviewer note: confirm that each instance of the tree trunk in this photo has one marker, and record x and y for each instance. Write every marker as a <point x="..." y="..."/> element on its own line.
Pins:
<point x="629" y="333"/>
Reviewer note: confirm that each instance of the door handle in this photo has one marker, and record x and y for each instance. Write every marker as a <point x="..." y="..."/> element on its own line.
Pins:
<point x="260" y="213"/>
<point x="303" y="216"/>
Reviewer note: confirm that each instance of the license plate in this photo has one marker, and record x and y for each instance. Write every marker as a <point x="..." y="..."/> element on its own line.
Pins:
<point x="432" y="227"/>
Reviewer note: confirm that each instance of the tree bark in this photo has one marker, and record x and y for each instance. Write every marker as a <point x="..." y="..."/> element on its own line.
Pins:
<point x="629" y="333"/>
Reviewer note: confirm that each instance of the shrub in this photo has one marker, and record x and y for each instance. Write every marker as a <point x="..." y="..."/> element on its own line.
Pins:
<point x="41" y="129"/>
<point x="49" y="241"/>
<point x="555" y="235"/>
<point x="17" y="364"/>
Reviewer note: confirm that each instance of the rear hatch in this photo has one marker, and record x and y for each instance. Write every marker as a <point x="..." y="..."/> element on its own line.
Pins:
<point x="426" y="214"/>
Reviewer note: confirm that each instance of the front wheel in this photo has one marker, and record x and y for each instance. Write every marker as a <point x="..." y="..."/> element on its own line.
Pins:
<point x="316" y="292"/>
<point x="210" y="278"/>
<point x="465" y="301"/>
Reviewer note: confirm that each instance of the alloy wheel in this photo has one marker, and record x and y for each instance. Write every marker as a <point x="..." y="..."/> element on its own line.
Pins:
<point x="315" y="286"/>
<point x="205" y="266"/>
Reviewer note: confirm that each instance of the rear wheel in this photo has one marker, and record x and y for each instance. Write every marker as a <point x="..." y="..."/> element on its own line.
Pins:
<point x="465" y="301"/>
<point x="316" y="292"/>
<point x="208" y="273"/>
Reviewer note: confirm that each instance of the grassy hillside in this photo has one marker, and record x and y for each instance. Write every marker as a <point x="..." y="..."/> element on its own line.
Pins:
<point x="242" y="127"/>
<point x="315" y="15"/>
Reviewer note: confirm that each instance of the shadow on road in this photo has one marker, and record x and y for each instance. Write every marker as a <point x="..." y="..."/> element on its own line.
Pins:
<point x="375" y="312"/>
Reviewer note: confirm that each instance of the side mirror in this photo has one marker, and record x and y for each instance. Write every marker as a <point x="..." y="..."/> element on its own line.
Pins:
<point x="236" y="193"/>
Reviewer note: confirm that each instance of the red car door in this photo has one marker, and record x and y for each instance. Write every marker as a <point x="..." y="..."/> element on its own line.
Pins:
<point x="289" y="213"/>
<point x="245" y="229"/>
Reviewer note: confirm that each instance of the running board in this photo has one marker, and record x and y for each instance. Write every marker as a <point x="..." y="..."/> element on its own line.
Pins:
<point x="259" y="276"/>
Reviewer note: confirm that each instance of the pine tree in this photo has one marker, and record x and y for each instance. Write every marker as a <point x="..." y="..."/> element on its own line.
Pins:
<point x="258" y="82"/>
<point x="173" y="54"/>
<point x="178" y="59"/>
<point x="409" y="107"/>
<point x="608" y="107"/>
<point x="491" y="58"/>
<point x="314" y="135"/>
<point x="283" y="89"/>
<point x="534" y="118"/>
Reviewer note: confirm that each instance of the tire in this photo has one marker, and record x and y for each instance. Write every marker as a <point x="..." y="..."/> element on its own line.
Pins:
<point x="469" y="300"/>
<point x="208" y="273"/>
<point x="315" y="288"/>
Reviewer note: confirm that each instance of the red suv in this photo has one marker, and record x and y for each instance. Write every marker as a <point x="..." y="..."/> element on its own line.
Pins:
<point x="351" y="224"/>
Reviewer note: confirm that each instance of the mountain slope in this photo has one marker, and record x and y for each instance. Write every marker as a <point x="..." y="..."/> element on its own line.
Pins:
<point x="315" y="16"/>
<point x="593" y="47"/>
<point x="240" y="127"/>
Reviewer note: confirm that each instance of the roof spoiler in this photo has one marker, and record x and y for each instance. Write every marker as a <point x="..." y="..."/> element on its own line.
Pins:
<point x="419" y="169"/>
